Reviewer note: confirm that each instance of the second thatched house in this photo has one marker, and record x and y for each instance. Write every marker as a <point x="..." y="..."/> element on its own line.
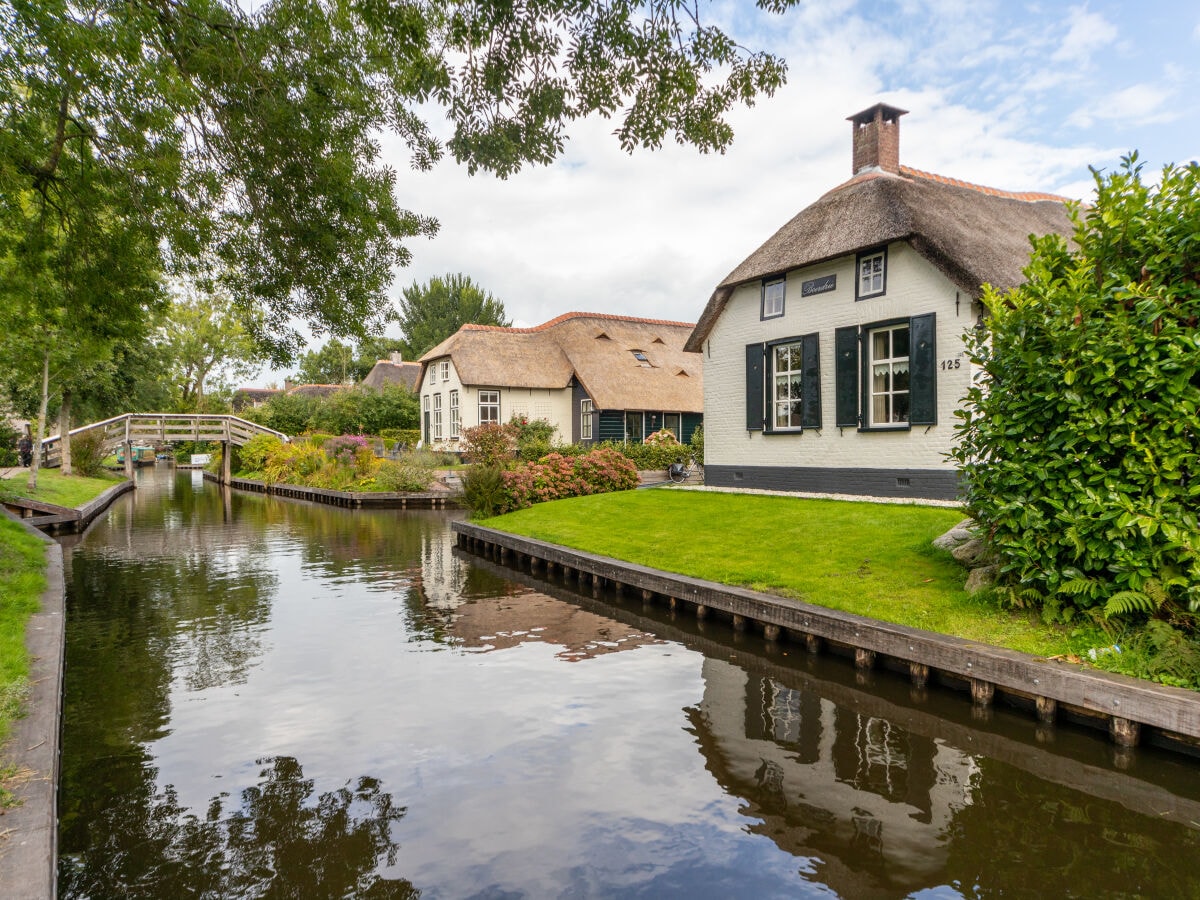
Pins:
<point x="833" y="355"/>
<point x="594" y="377"/>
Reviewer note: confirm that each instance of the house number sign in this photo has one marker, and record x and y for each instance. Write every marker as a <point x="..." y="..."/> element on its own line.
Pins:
<point x="818" y="286"/>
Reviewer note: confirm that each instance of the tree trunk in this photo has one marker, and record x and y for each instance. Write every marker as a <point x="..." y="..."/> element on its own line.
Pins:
<point x="64" y="433"/>
<point x="41" y="423"/>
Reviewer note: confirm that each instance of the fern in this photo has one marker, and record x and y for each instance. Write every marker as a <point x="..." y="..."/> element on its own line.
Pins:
<point x="1124" y="603"/>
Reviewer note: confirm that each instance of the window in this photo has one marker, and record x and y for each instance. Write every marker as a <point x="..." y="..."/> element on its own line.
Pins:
<point x="585" y="420"/>
<point x="445" y="367"/>
<point x="872" y="275"/>
<point x="772" y="298"/>
<point x="489" y="407"/>
<point x="671" y="423"/>
<point x="641" y="357"/>
<point x="885" y="374"/>
<point x="437" y="417"/>
<point x="634" y="428"/>
<point x="888" y="367"/>
<point x="783" y="384"/>
<point x="787" y="385"/>
<point x="433" y="374"/>
<point x="454" y="420"/>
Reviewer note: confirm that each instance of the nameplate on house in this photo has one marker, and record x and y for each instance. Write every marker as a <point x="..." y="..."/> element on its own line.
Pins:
<point x="818" y="286"/>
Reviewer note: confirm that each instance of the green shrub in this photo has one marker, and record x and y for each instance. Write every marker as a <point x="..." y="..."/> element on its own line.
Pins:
<point x="255" y="452"/>
<point x="649" y="456"/>
<point x="406" y="437"/>
<point x="8" y="444"/>
<point x="697" y="444"/>
<point x="413" y="472"/>
<point x="1079" y="446"/>
<point x="484" y="490"/>
<point x="88" y="453"/>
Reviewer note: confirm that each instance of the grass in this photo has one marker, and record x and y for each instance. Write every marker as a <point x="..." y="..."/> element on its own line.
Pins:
<point x="62" y="490"/>
<point x="865" y="558"/>
<point x="22" y="580"/>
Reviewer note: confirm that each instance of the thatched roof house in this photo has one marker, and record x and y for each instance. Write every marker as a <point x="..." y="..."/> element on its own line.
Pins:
<point x="851" y="316"/>
<point x="594" y="376"/>
<point x="393" y="371"/>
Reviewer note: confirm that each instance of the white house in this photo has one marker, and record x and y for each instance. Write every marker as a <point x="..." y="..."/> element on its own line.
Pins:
<point x="594" y="377"/>
<point x="833" y="355"/>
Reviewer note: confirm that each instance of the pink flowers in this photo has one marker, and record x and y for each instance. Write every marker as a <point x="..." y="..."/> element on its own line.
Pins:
<point x="555" y="476"/>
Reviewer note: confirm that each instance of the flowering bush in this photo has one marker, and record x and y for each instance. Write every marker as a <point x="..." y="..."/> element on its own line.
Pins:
<point x="556" y="476"/>
<point x="345" y="448"/>
<point x="490" y="445"/>
<point x="662" y="438"/>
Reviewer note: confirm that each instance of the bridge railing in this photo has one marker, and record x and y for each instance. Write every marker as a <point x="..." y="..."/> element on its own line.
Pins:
<point x="161" y="428"/>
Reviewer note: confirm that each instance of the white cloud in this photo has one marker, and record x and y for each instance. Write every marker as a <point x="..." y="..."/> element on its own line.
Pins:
<point x="1138" y="104"/>
<point x="1087" y="33"/>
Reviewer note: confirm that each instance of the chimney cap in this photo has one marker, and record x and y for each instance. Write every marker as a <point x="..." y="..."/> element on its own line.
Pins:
<point x="879" y="110"/>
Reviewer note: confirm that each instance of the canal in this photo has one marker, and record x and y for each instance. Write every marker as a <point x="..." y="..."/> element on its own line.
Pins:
<point x="269" y="698"/>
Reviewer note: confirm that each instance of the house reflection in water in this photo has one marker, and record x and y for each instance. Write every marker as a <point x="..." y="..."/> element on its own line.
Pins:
<point x="869" y="803"/>
<point x="476" y="610"/>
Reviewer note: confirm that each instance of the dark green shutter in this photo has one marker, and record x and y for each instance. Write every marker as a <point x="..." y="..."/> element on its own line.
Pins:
<point x="922" y="363"/>
<point x="755" y="357"/>
<point x="845" y="366"/>
<point x="810" y="413"/>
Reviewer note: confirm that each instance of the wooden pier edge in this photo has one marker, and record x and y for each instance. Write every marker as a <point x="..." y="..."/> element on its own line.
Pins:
<point x="352" y="499"/>
<point x="1125" y="704"/>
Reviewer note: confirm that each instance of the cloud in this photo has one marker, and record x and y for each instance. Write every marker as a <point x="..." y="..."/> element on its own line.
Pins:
<point x="1088" y="32"/>
<point x="1138" y="104"/>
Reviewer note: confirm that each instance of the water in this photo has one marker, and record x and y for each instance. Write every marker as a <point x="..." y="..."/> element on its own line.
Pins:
<point x="267" y="698"/>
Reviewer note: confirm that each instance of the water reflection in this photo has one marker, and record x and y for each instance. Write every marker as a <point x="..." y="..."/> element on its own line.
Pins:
<point x="469" y="730"/>
<point x="276" y="841"/>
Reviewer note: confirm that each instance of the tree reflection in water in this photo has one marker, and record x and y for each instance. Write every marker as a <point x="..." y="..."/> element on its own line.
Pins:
<point x="278" y="842"/>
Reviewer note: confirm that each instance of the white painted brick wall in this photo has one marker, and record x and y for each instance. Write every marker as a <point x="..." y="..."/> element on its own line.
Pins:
<point x="914" y="287"/>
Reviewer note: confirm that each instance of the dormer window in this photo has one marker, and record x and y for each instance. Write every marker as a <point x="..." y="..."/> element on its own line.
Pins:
<point x="641" y="357"/>
<point x="872" y="274"/>
<point x="772" y="298"/>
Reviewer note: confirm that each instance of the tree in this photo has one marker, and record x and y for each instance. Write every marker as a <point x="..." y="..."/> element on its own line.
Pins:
<point x="204" y="340"/>
<point x="1080" y="444"/>
<point x="333" y="363"/>
<point x="429" y="314"/>
<point x="245" y="134"/>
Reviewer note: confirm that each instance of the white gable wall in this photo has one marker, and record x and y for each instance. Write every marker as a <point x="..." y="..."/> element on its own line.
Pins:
<point x="914" y="287"/>
<point x="554" y="405"/>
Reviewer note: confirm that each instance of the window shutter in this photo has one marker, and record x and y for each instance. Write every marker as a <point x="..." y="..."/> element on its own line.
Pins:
<point x="810" y="413"/>
<point x="923" y="370"/>
<point x="845" y="364"/>
<point x="755" y="359"/>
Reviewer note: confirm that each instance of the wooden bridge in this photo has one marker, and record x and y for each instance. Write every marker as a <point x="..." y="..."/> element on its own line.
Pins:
<point x="162" y="428"/>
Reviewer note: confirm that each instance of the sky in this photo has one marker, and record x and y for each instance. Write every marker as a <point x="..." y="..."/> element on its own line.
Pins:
<point x="1013" y="95"/>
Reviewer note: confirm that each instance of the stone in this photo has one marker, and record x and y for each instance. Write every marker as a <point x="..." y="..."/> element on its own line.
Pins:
<point x="981" y="578"/>
<point x="956" y="536"/>
<point x="973" y="553"/>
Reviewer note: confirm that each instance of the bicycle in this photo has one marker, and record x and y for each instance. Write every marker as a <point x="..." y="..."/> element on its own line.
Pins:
<point x="681" y="472"/>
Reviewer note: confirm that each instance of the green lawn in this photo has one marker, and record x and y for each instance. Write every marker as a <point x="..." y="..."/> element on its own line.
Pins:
<point x="22" y="580"/>
<point x="865" y="558"/>
<point x="61" y="490"/>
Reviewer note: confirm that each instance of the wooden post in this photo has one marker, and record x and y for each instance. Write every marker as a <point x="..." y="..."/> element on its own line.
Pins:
<point x="1047" y="709"/>
<point x="701" y="610"/>
<point x="982" y="692"/>
<point x="863" y="658"/>
<point x="739" y="622"/>
<point x="226" y="462"/>
<point x="771" y="632"/>
<point x="812" y="643"/>
<point x="919" y="673"/>
<point x="128" y="458"/>
<point x="1124" y="732"/>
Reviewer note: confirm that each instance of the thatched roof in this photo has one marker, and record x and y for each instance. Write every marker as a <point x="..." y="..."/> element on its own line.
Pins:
<point x="316" y="390"/>
<point x="252" y="396"/>
<point x="595" y="348"/>
<point x="386" y="372"/>
<point x="974" y="235"/>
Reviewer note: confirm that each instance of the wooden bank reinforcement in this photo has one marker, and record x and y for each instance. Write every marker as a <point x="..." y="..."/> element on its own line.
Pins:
<point x="1131" y="710"/>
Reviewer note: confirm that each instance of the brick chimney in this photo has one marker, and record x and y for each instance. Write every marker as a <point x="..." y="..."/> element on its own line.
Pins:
<point x="395" y="357"/>
<point x="877" y="139"/>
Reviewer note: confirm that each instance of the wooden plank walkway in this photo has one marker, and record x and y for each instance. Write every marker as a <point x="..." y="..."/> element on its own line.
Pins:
<point x="1125" y="706"/>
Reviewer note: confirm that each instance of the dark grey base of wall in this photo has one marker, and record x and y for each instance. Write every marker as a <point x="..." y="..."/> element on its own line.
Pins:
<point x="923" y="484"/>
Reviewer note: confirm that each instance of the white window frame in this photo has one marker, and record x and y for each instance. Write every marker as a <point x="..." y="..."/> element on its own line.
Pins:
<point x="774" y="293"/>
<point x="433" y="375"/>
<point x="455" y="421"/>
<point x="489" y="401"/>
<point x="871" y="275"/>
<point x="445" y="367"/>
<point x="585" y="420"/>
<point x="789" y="402"/>
<point x="437" y="417"/>
<point x="891" y="366"/>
